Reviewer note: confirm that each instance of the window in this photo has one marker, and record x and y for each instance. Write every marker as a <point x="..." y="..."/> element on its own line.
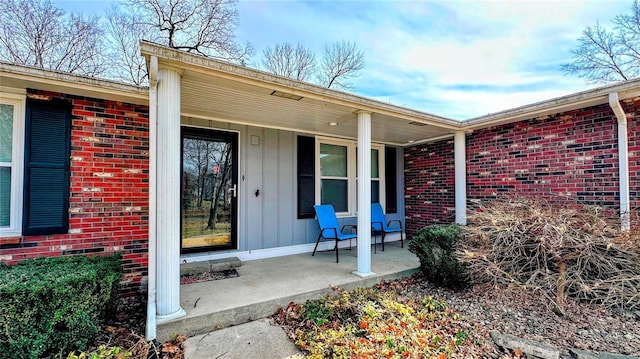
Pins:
<point x="11" y="162"/>
<point x="336" y="180"/>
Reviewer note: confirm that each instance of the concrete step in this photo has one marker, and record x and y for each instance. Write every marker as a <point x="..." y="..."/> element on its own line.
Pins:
<point x="215" y="265"/>
<point x="266" y="285"/>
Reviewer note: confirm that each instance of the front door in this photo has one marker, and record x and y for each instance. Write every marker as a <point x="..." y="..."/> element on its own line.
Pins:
<point x="209" y="190"/>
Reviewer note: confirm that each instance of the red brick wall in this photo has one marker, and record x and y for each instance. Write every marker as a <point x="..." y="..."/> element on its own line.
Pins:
<point x="429" y="185"/>
<point x="108" y="188"/>
<point x="572" y="154"/>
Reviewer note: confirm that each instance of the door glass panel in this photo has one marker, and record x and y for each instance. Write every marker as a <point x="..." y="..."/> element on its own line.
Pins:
<point x="208" y="193"/>
<point x="6" y="132"/>
<point x="5" y="196"/>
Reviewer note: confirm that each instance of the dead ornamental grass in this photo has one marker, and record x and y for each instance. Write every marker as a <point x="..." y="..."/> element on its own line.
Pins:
<point x="560" y="249"/>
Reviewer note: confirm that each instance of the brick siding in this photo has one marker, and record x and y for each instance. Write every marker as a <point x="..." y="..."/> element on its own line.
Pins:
<point x="108" y="189"/>
<point x="572" y="155"/>
<point x="429" y="185"/>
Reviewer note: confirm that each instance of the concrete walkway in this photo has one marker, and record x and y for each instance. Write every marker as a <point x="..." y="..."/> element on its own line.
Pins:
<point x="266" y="285"/>
<point x="257" y="339"/>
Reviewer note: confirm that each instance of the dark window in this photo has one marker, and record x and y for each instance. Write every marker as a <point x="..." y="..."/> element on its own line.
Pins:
<point x="391" y="183"/>
<point x="46" y="170"/>
<point x="306" y="176"/>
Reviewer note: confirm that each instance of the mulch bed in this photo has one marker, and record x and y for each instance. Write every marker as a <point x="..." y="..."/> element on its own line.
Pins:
<point x="525" y="314"/>
<point x="528" y="314"/>
<point x="126" y="329"/>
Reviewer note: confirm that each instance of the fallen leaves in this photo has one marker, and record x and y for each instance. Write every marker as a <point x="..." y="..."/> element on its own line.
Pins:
<point x="378" y="323"/>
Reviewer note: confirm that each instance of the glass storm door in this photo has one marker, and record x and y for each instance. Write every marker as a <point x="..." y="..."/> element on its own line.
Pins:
<point x="209" y="190"/>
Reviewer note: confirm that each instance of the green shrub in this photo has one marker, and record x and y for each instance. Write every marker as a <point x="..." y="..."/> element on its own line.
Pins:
<point x="52" y="306"/>
<point x="436" y="247"/>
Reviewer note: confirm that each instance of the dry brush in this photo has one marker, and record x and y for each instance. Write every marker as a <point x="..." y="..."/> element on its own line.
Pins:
<point x="562" y="250"/>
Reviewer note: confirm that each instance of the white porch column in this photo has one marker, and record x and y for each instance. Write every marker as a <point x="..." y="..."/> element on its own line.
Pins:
<point x="364" y="195"/>
<point x="168" y="196"/>
<point x="460" y="153"/>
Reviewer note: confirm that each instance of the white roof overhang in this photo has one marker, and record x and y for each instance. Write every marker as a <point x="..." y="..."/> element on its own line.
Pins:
<point x="25" y="77"/>
<point x="220" y="91"/>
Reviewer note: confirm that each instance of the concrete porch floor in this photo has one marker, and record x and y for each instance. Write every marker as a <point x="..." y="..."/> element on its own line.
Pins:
<point x="268" y="284"/>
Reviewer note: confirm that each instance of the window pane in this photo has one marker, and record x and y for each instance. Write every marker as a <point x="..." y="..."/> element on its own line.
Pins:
<point x="335" y="192"/>
<point x="6" y="132"/>
<point x="374" y="164"/>
<point x="333" y="160"/>
<point x="375" y="191"/>
<point x="375" y="172"/>
<point x="5" y="196"/>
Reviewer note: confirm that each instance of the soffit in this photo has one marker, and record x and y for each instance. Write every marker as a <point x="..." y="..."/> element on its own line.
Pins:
<point x="220" y="91"/>
<point x="210" y="97"/>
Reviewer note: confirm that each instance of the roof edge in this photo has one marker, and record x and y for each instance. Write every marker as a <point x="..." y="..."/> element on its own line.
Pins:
<point x="265" y="79"/>
<point x="587" y="98"/>
<point x="59" y="81"/>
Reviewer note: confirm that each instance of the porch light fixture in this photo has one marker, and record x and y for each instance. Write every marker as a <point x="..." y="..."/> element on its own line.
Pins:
<point x="333" y="124"/>
<point x="286" y="95"/>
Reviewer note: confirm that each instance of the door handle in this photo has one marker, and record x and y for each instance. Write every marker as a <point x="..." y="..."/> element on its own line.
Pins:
<point x="232" y="190"/>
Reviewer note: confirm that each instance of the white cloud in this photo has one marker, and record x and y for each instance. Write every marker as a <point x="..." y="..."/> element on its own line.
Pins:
<point x="456" y="58"/>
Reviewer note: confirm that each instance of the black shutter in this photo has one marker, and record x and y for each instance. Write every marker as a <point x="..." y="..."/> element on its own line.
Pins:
<point x="46" y="170"/>
<point x="306" y="176"/>
<point x="391" y="179"/>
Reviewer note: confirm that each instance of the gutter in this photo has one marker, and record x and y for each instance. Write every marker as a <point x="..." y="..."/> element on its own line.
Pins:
<point x="623" y="160"/>
<point x="150" y="330"/>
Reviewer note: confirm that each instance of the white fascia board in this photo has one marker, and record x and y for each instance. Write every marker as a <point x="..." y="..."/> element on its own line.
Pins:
<point x="19" y="76"/>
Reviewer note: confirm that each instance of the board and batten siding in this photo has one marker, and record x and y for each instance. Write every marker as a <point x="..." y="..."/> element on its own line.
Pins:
<point x="268" y="164"/>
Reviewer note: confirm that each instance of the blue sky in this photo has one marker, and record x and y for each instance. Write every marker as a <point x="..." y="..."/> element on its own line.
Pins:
<point x="458" y="59"/>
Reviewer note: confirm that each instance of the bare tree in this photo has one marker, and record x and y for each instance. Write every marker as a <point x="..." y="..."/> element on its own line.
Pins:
<point x="35" y="33"/>
<point x="125" y="30"/>
<point x="604" y="56"/>
<point x="222" y="158"/>
<point x="341" y="61"/>
<point x="298" y="62"/>
<point x="206" y="27"/>
<point x="197" y="157"/>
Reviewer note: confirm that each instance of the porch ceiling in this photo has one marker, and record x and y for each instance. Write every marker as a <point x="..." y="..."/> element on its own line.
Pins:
<point x="219" y="91"/>
<point x="210" y="97"/>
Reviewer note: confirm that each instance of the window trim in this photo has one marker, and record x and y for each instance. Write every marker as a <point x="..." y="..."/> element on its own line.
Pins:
<point x="18" y="101"/>
<point x="352" y="173"/>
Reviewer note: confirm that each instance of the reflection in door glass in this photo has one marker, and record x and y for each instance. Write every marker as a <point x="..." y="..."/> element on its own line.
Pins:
<point x="207" y="192"/>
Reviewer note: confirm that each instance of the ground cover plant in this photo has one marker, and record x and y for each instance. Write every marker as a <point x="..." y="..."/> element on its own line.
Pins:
<point x="379" y="323"/>
<point x="560" y="250"/>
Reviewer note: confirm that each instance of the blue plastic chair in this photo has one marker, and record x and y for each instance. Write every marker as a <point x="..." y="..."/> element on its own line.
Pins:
<point x="379" y="224"/>
<point x="329" y="228"/>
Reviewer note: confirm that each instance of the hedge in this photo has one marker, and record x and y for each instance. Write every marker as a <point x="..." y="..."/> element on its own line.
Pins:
<point x="52" y="306"/>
